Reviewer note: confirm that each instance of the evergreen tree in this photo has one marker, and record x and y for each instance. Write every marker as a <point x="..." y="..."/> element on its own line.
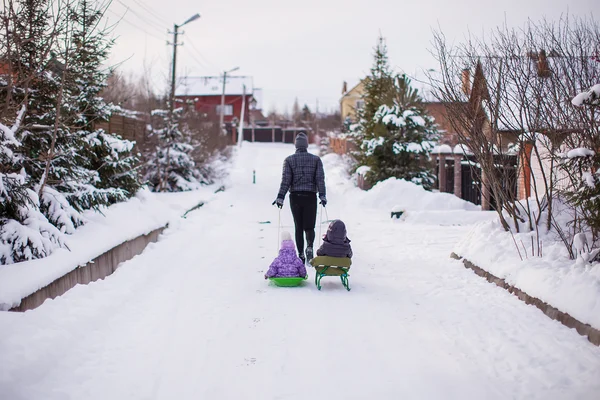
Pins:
<point x="111" y="176"/>
<point x="296" y="113"/>
<point x="379" y="90"/>
<point x="307" y="116"/>
<point x="407" y="136"/>
<point x="394" y="133"/>
<point x="25" y="233"/>
<point x="171" y="168"/>
<point x="49" y="151"/>
<point x="53" y="164"/>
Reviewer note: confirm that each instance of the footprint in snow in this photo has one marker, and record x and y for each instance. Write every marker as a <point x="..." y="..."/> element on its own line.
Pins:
<point x="250" y="361"/>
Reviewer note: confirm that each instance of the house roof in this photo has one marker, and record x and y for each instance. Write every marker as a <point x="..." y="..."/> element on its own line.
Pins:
<point x="440" y="114"/>
<point x="213" y="86"/>
<point x="356" y="89"/>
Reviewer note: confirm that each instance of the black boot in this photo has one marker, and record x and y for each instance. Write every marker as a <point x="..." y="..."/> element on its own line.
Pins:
<point x="301" y="256"/>
<point x="309" y="253"/>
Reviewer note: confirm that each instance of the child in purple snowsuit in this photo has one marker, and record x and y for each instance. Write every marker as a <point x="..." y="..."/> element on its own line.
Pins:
<point x="286" y="264"/>
<point x="335" y="241"/>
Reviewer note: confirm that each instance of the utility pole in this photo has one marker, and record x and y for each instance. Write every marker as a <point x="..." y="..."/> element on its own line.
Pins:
<point x="174" y="64"/>
<point x="241" y="132"/>
<point x="173" y="71"/>
<point x="317" y="118"/>
<point x="221" y="114"/>
<point x="172" y="94"/>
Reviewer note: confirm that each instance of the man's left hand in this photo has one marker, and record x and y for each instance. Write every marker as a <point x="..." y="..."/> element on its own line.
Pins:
<point x="278" y="202"/>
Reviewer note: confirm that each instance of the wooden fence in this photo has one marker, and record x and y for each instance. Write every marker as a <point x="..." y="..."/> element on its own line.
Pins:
<point x="341" y="145"/>
<point x="129" y="128"/>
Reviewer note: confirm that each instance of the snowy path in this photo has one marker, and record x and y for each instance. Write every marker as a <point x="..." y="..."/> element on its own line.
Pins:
<point x="192" y="318"/>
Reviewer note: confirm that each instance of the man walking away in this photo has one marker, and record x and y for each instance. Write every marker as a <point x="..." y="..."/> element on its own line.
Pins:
<point x="303" y="176"/>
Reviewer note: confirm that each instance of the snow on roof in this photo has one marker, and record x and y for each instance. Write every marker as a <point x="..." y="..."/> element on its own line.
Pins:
<point x="462" y="149"/>
<point x="213" y="86"/>
<point x="442" y="149"/>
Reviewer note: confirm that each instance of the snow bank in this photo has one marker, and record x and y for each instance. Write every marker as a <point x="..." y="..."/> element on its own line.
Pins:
<point x="117" y="224"/>
<point x="571" y="286"/>
<point x="410" y="197"/>
<point x="420" y="206"/>
<point x="445" y="218"/>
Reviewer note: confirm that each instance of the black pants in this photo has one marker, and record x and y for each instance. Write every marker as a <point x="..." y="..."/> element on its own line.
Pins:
<point x="304" y="210"/>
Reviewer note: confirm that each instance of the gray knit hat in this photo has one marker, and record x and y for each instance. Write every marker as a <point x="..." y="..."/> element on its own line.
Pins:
<point x="301" y="141"/>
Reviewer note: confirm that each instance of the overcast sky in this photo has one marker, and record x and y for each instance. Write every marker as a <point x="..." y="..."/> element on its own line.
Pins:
<point x="306" y="49"/>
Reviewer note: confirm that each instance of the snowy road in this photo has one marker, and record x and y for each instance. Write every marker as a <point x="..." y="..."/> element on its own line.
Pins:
<point x="192" y="318"/>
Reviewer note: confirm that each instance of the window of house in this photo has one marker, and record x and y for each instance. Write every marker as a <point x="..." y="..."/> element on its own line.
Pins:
<point x="360" y="104"/>
<point x="227" y="109"/>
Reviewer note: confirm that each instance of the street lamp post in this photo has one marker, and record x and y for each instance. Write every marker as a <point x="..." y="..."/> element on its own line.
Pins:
<point x="176" y="27"/>
<point x="173" y="71"/>
<point x="223" y="96"/>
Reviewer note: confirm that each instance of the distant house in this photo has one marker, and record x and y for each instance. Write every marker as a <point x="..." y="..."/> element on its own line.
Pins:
<point x="352" y="100"/>
<point x="205" y="93"/>
<point x="529" y="167"/>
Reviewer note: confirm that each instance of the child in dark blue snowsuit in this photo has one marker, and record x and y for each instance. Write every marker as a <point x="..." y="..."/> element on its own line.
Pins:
<point x="335" y="241"/>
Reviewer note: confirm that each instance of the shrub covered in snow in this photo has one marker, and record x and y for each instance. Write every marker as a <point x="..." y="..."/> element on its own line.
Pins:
<point x="590" y="97"/>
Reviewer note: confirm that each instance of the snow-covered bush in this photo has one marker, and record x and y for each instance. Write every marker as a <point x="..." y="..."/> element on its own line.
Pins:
<point x="590" y="97"/>
<point x="170" y="167"/>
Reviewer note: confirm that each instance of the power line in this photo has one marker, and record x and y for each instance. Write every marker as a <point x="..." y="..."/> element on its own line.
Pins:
<point x="150" y="11"/>
<point x="121" y="18"/>
<point x="152" y="24"/>
<point x="195" y="49"/>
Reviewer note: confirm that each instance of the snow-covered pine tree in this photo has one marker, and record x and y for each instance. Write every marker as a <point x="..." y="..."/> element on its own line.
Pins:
<point x="25" y="233"/>
<point x="402" y="150"/>
<point x="111" y="173"/>
<point x="379" y="88"/>
<point x="49" y="151"/>
<point x="394" y="134"/>
<point x="170" y="168"/>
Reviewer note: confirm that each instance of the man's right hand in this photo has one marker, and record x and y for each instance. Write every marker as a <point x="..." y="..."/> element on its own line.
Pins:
<point x="323" y="201"/>
<point x="278" y="202"/>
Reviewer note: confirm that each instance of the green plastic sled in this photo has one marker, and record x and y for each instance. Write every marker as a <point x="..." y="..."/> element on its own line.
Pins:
<point x="288" y="282"/>
<point x="331" y="266"/>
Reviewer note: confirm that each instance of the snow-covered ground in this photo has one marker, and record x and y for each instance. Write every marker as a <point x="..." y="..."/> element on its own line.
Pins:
<point x="572" y="286"/>
<point x="103" y="231"/>
<point x="192" y="317"/>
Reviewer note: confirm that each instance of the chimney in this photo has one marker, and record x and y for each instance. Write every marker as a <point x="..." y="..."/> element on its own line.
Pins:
<point x="543" y="69"/>
<point x="466" y="81"/>
<point x="344" y="87"/>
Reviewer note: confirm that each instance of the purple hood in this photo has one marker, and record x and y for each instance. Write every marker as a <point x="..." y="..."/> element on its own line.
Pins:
<point x="287" y="263"/>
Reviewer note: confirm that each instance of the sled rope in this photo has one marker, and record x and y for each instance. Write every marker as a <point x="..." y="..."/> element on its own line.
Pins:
<point x="321" y="225"/>
<point x="278" y="229"/>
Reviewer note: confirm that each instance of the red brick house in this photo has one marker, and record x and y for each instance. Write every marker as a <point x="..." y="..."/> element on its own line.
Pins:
<point x="205" y="93"/>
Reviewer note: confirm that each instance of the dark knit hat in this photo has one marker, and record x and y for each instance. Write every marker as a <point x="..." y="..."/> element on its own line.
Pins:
<point x="301" y="141"/>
